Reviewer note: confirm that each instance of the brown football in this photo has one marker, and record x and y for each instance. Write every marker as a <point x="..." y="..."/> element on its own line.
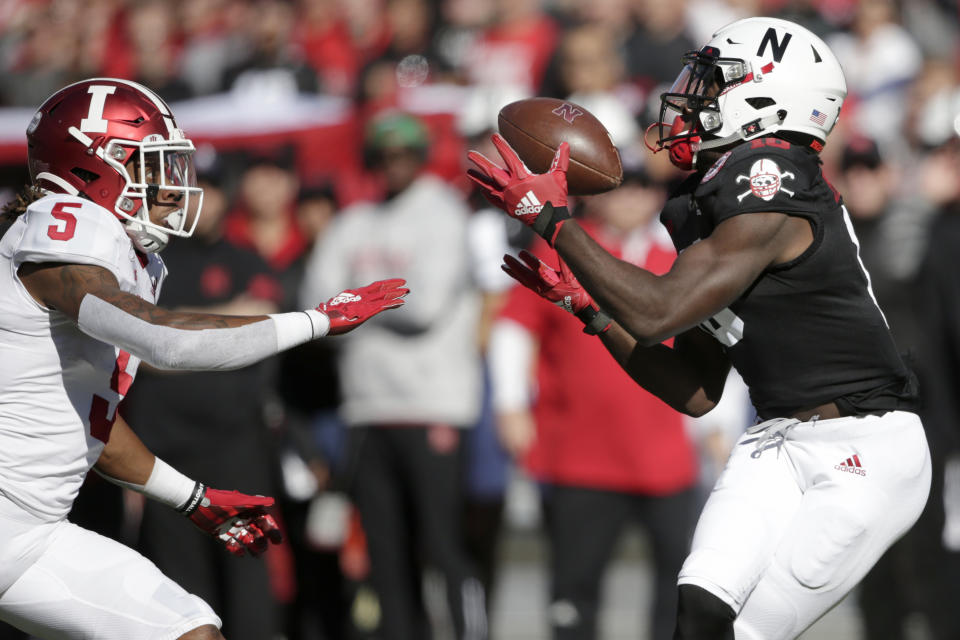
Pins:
<point x="535" y="127"/>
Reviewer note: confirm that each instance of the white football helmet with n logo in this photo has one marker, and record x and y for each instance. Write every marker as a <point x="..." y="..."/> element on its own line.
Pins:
<point x="755" y="77"/>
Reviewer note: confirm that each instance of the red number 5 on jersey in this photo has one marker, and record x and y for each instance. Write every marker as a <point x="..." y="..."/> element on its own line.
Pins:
<point x="55" y="231"/>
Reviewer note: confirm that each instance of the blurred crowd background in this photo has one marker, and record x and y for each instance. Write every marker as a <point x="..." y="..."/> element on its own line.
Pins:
<point x="331" y="141"/>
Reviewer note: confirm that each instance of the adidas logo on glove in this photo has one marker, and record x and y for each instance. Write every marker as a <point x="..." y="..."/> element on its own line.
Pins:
<point x="528" y="204"/>
<point x="341" y="298"/>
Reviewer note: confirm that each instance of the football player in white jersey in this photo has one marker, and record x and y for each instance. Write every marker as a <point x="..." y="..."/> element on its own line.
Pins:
<point x="768" y="279"/>
<point x="112" y="182"/>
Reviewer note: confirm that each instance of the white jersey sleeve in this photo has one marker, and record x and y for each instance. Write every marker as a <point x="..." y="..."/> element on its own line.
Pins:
<point x="71" y="229"/>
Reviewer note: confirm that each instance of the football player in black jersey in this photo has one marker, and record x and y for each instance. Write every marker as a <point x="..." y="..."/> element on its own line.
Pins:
<point x="768" y="279"/>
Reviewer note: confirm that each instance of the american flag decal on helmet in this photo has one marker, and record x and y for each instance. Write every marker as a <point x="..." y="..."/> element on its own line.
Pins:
<point x="819" y="117"/>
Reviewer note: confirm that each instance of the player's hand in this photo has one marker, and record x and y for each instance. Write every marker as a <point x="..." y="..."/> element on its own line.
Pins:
<point x="559" y="287"/>
<point x="522" y="194"/>
<point x="351" y="308"/>
<point x="238" y="520"/>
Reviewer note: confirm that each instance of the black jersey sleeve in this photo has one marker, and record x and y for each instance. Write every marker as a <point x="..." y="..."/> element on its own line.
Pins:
<point x="680" y="215"/>
<point x="763" y="175"/>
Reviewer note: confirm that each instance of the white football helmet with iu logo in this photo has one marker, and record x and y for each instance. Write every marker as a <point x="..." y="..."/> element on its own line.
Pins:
<point x="116" y="143"/>
<point x="755" y="77"/>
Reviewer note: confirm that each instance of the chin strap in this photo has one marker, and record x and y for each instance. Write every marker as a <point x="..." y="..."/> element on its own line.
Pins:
<point x="144" y="238"/>
<point x="148" y="238"/>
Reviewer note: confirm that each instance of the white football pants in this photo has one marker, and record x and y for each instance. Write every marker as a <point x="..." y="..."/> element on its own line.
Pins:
<point x="792" y="526"/>
<point x="59" y="581"/>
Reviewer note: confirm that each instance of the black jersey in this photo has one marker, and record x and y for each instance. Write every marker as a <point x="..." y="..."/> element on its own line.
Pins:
<point x="805" y="332"/>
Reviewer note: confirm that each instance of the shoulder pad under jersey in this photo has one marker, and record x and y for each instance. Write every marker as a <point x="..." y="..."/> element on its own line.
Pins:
<point x="762" y="175"/>
<point x="63" y="228"/>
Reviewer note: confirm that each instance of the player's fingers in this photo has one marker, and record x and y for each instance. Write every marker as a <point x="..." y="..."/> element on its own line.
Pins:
<point x="520" y="272"/>
<point x="256" y="543"/>
<point x="514" y="164"/>
<point x="514" y="268"/>
<point x="372" y="300"/>
<point x="532" y="261"/>
<point x="395" y="292"/>
<point x="396" y="296"/>
<point x="492" y="193"/>
<point x="390" y="304"/>
<point x="561" y="159"/>
<point x="485" y="183"/>
<point x="495" y="174"/>
<point x="490" y="190"/>
<point x="268" y="525"/>
<point x="245" y="502"/>
<point x="365" y="290"/>
<point x="246" y="533"/>
<point x="486" y="167"/>
<point x="513" y="263"/>
<point x="233" y="546"/>
<point x="521" y="277"/>
<point x="391" y="283"/>
<point x="380" y="287"/>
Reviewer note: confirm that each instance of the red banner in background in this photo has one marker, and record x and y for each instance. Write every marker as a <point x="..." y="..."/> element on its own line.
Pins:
<point x="325" y="132"/>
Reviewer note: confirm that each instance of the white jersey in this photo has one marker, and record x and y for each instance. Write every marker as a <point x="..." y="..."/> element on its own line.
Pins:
<point x="59" y="388"/>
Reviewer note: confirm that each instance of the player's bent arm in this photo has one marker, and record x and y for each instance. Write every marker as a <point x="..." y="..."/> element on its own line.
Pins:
<point x="124" y="457"/>
<point x="126" y="461"/>
<point x="689" y="377"/>
<point x="705" y="278"/>
<point x="239" y="521"/>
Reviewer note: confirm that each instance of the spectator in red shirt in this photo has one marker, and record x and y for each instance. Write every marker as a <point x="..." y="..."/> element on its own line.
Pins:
<point x="324" y="35"/>
<point x="516" y="49"/>
<point x="264" y="218"/>
<point x="606" y="451"/>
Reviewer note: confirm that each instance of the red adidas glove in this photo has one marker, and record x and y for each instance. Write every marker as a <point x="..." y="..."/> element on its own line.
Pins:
<point x="238" y="520"/>
<point x="537" y="199"/>
<point x="351" y="308"/>
<point x="559" y="287"/>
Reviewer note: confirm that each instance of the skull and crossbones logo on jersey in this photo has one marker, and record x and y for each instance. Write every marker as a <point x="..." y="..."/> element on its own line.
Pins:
<point x="766" y="180"/>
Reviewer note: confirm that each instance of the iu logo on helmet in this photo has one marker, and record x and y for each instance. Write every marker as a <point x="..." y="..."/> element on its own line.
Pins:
<point x="568" y="112"/>
<point x="94" y="122"/>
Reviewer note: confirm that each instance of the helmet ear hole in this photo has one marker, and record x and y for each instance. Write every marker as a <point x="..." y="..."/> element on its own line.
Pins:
<point x="760" y="103"/>
<point x="84" y="174"/>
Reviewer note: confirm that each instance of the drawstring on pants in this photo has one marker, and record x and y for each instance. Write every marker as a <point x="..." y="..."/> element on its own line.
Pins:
<point x="774" y="429"/>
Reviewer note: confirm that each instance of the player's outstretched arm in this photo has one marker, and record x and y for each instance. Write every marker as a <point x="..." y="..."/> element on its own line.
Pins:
<point x="91" y="297"/>
<point x="240" y="521"/>
<point x="689" y="377"/>
<point x="705" y="278"/>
